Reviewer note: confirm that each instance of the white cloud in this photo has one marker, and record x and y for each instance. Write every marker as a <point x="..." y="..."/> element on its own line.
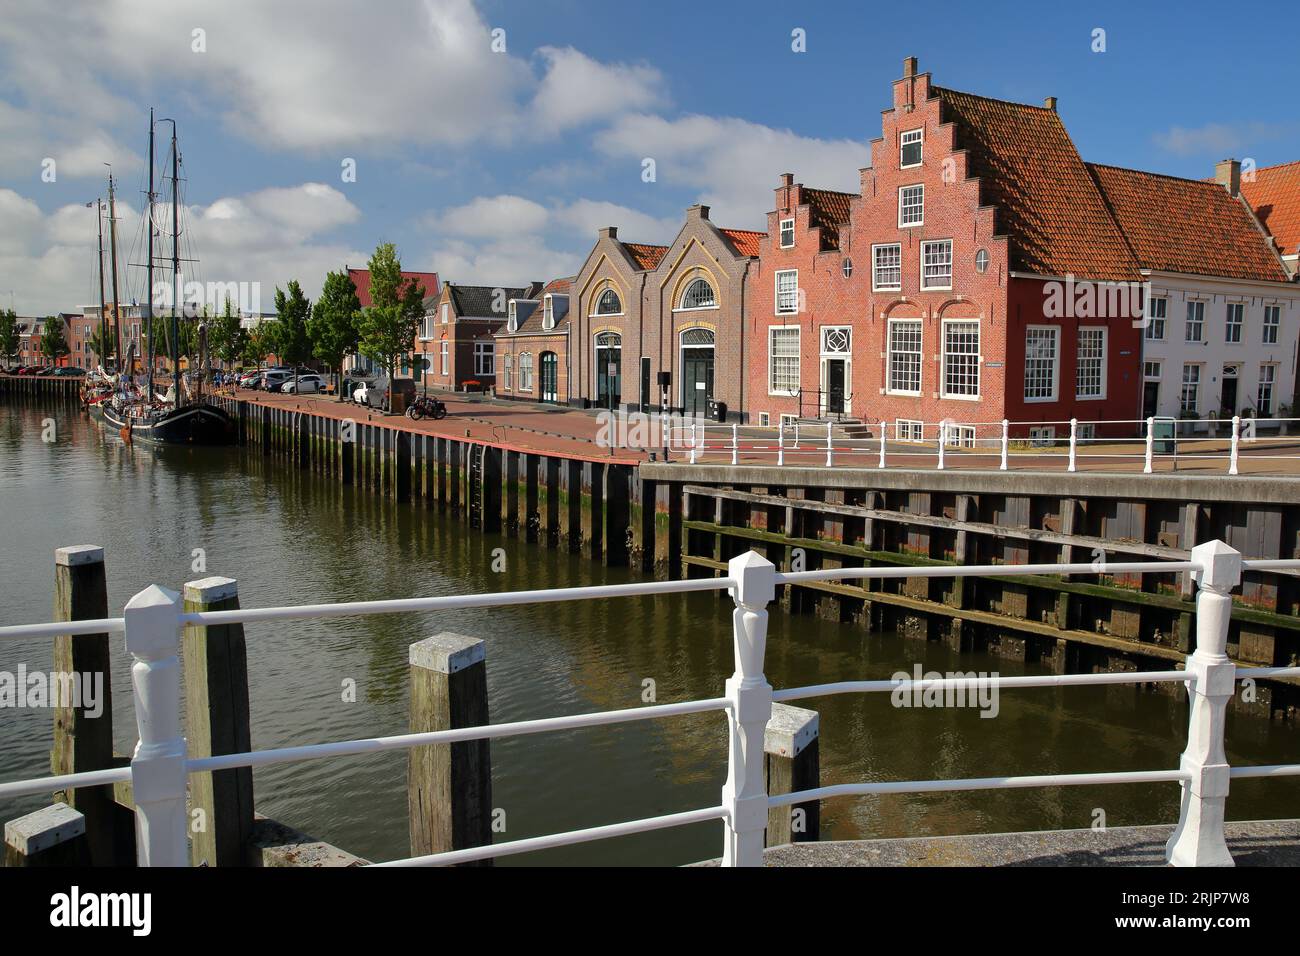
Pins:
<point x="585" y="216"/>
<point x="492" y="217"/>
<point x="733" y="163"/>
<point x="1219" y="139"/>
<point x="513" y="261"/>
<point x="576" y="89"/>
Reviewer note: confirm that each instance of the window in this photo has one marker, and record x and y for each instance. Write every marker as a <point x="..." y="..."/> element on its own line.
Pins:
<point x="548" y="314"/>
<point x="1157" y="311"/>
<point x="1195" y="321"/>
<point x="1191" y="394"/>
<point x="445" y="357"/>
<point x="512" y="317"/>
<point x="787" y="233"/>
<point x="426" y="326"/>
<point x="484" y="358"/>
<point x="911" y="205"/>
<point x="608" y="303"/>
<point x="887" y="271"/>
<point x="1264" y="397"/>
<point x="787" y="292"/>
<point x="910" y="144"/>
<point x="1272" y="322"/>
<point x="905" y="356"/>
<point x="963" y="436"/>
<point x="507" y="377"/>
<point x="783" y="361"/>
<point x="764" y="418"/>
<point x="982" y="261"/>
<point x="446" y="310"/>
<point x="847" y="267"/>
<point x="905" y="429"/>
<point x="1232" y="328"/>
<point x="1041" y="435"/>
<point x="1151" y="371"/>
<point x="936" y="264"/>
<point x="526" y="372"/>
<point x="961" y="359"/>
<point x="1090" y="374"/>
<point x="1041" y="350"/>
<point x="699" y="295"/>
<point x="1086" y="431"/>
<point x="836" y="339"/>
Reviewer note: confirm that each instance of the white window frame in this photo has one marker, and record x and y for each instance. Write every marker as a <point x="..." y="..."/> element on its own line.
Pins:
<point x="946" y="325"/>
<point x="957" y="435"/>
<point x="1271" y="382"/>
<point x="485" y="348"/>
<point x="512" y="317"/>
<point x="777" y="291"/>
<point x="925" y="285"/>
<point x="1157" y="322"/>
<point x="764" y="418"/>
<point x="771" y="359"/>
<point x="507" y="373"/>
<point x="681" y="303"/>
<point x="446" y="311"/>
<point x="445" y="355"/>
<point x="1056" y="364"/>
<point x="1197" y="306"/>
<point x="1183" y="383"/>
<point x="781" y="232"/>
<point x="526" y="371"/>
<point x="1272" y="324"/>
<point x="897" y="249"/>
<point x="901" y="191"/>
<point x="1041" y="436"/>
<point x="1229" y="310"/>
<point x="902" y="142"/>
<point x="595" y="302"/>
<point x="1152" y="376"/>
<point x="1102" y="366"/>
<point x="548" y="314"/>
<point x="426" y="326"/>
<point x="919" y="352"/>
<point x="908" y="429"/>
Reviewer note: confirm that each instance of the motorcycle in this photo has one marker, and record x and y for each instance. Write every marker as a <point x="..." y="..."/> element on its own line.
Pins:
<point x="423" y="406"/>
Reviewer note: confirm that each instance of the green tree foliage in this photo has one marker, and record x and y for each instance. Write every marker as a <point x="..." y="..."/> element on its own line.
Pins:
<point x="333" y="324"/>
<point x="388" y="328"/>
<point x="257" y="343"/>
<point x="8" y="334"/>
<point x="226" y="336"/>
<point x="54" y="344"/>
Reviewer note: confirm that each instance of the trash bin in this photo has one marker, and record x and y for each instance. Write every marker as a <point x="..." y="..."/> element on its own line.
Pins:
<point x="1162" y="434"/>
<point x="716" y="410"/>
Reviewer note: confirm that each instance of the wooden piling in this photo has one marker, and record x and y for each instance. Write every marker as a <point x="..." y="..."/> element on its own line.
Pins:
<point x="449" y="786"/>
<point x="790" y="743"/>
<point x="217" y="722"/>
<point x="51" y="836"/>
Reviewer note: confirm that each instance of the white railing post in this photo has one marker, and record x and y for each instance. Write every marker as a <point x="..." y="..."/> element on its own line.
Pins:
<point x="1006" y="433"/>
<point x="735" y="443"/>
<point x="882" y="444"/>
<point x="943" y="437"/>
<point x="796" y="433"/>
<point x="694" y="441"/>
<point x="780" y="444"/>
<point x="1151" y="444"/>
<point x="1074" y="441"/>
<point x="153" y="638"/>
<point x="1198" y="840"/>
<point x="830" y="460"/>
<point x="750" y="695"/>
<point x="1236" y="444"/>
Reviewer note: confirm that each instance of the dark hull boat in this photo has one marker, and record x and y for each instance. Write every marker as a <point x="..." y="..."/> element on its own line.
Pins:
<point x="195" y="424"/>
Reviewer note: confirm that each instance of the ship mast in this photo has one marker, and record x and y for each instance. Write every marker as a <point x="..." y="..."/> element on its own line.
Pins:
<point x="176" y="268"/>
<point x="112" y="245"/>
<point x="103" y="314"/>
<point x="148" y="315"/>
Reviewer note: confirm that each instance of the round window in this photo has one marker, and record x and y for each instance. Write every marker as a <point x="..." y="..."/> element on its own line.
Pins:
<point x="847" y="267"/>
<point x="982" y="261"/>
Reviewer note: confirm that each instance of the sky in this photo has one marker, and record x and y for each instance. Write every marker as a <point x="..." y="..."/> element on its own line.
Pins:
<point x="491" y="139"/>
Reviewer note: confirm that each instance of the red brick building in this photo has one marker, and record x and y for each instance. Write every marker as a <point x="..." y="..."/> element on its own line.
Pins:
<point x="427" y="281"/>
<point x="977" y="275"/>
<point x="457" y="334"/>
<point x="532" y="348"/>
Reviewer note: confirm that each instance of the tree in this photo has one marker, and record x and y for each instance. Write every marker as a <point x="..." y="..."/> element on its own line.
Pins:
<point x="53" y="342"/>
<point x="257" y="343"/>
<point x="101" y="343"/>
<point x="226" y="336"/>
<point x="388" y="328"/>
<point x="292" y="310"/>
<point x="8" y="334"/>
<point x="333" y="324"/>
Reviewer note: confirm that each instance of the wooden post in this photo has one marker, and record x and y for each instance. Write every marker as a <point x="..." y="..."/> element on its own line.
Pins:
<point x="793" y="764"/>
<point x="217" y="722"/>
<point x="449" y="786"/>
<point x="51" y="836"/>
<point x="83" y="735"/>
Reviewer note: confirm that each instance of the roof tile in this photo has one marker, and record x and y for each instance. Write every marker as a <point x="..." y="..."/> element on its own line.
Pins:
<point x="1274" y="194"/>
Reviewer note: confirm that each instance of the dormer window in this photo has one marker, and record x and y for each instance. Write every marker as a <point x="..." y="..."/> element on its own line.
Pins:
<point x="910" y="144"/>
<point x="608" y="303"/>
<point x="548" y="314"/>
<point x="787" y="233"/>
<point x="512" y="317"/>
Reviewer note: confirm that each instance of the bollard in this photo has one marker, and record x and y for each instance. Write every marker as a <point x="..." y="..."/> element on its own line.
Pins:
<point x="1006" y="435"/>
<point x="882" y="444"/>
<point x="1074" y="439"/>
<point x="744" y="794"/>
<point x="1146" y="469"/>
<point x="943" y="437"/>
<point x="830" y="459"/>
<point x="217" y="722"/>
<point x="780" y="444"/>
<point x="793" y="765"/>
<point x="153" y="636"/>
<point x="449" y="786"/>
<point x="1198" y="839"/>
<point x="1236" y="444"/>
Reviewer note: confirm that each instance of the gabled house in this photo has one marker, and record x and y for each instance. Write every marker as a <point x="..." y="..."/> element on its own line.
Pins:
<point x="428" y="283"/>
<point x="532" y="348"/>
<point x="457" y="334"/>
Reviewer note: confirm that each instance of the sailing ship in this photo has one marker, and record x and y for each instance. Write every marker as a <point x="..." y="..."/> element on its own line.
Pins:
<point x="181" y="416"/>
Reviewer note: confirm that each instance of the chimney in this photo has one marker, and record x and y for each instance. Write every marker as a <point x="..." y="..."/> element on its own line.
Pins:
<point x="1228" y="175"/>
<point x="787" y="179"/>
<point x="697" y="212"/>
<point x="909" y="66"/>
<point x="609" y="232"/>
<point x="1050" y="103"/>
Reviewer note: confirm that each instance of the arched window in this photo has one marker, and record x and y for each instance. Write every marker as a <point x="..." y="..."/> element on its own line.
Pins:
<point x="608" y="303"/>
<point x="697" y="337"/>
<point x="609" y="340"/>
<point x="526" y="372"/>
<point x="699" y="295"/>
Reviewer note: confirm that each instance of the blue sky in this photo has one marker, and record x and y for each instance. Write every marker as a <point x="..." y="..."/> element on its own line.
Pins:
<point x="497" y="167"/>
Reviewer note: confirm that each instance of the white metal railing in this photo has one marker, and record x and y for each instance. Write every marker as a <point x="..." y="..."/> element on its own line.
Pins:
<point x="154" y="618"/>
<point x="1150" y="442"/>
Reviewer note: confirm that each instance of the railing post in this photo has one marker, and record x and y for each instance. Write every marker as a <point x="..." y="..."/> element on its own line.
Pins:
<point x="1198" y="839"/>
<point x="1151" y="444"/>
<point x="780" y="444"/>
<point x="882" y="444"/>
<point x="796" y="430"/>
<point x="694" y="440"/>
<point x="153" y="638"/>
<point x="1074" y="441"/>
<point x="1236" y="444"/>
<point x="750" y="695"/>
<point x="943" y="437"/>
<point x="830" y="453"/>
<point x="735" y="444"/>
<point x="1006" y="434"/>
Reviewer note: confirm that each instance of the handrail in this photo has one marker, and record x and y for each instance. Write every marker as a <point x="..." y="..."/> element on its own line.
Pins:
<point x="154" y="619"/>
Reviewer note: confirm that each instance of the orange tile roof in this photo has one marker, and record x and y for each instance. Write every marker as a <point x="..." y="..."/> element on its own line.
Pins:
<point x="1048" y="205"/>
<point x="646" y="257"/>
<point x="1186" y="225"/>
<point x="1274" y="194"/>
<point x="830" y="210"/>
<point x="745" y="240"/>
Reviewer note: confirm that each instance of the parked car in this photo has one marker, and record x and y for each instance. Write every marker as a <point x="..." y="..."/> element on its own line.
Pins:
<point x="272" y="379"/>
<point x="250" y="379"/>
<point x="370" y="392"/>
<point x="70" y="371"/>
<point x="305" y="384"/>
<point x="46" y="370"/>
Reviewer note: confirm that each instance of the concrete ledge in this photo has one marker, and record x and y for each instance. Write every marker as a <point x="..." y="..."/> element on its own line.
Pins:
<point x="1255" y="843"/>
<point x="275" y="844"/>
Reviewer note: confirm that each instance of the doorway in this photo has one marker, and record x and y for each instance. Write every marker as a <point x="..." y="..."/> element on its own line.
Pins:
<point x="1228" y="396"/>
<point x="697" y="371"/>
<point x="1150" y="399"/>
<point x="550" y="377"/>
<point x="609" y="369"/>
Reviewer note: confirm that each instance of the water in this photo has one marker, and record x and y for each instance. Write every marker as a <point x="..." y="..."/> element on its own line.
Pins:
<point x="290" y="537"/>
